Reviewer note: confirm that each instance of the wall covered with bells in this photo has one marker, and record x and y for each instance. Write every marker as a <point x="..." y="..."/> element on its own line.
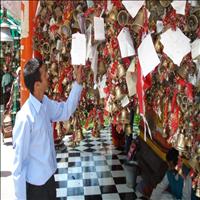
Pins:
<point x="149" y="58"/>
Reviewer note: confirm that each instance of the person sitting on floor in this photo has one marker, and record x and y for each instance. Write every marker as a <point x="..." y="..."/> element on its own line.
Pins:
<point x="173" y="185"/>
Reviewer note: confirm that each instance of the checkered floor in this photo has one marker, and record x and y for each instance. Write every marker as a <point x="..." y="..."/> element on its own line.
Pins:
<point x="93" y="170"/>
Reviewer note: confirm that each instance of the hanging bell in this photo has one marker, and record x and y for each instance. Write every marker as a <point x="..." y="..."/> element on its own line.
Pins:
<point x="138" y="22"/>
<point x="128" y="129"/>
<point x="45" y="48"/>
<point x="66" y="30"/>
<point x="181" y="142"/>
<point x="165" y="3"/>
<point x="158" y="45"/>
<point x="118" y="93"/>
<point x="79" y="135"/>
<point x="5" y="33"/>
<point x="114" y="107"/>
<point x="102" y="68"/>
<point x="120" y="71"/>
<point x="122" y="18"/>
<point x="192" y="23"/>
<point x="112" y="17"/>
<point x="124" y="117"/>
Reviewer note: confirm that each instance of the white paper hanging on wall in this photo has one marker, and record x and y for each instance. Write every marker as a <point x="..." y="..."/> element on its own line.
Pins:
<point x="99" y="30"/>
<point x="196" y="49"/>
<point x="78" y="50"/>
<point x="176" y="45"/>
<point x="125" y="101"/>
<point x="94" y="62"/>
<point x="147" y="55"/>
<point x="179" y="6"/>
<point x="125" y="43"/>
<point x="133" y="6"/>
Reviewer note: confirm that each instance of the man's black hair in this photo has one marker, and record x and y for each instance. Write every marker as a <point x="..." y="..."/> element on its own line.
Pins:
<point x="172" y="155"/>
<point x="32" y="73"/>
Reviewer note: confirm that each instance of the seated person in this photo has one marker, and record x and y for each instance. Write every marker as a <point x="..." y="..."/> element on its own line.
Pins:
<point x="173" y="185"/>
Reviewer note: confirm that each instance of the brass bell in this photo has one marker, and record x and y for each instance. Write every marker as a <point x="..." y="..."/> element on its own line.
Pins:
<point x="118" y="93"/>
<point x="102" y="68"/>
<point x="64" y="82"/>
<point x="66" y="30"/>
<point x="124" y="117"/>
<point x="165" y="3"/>
<point x="112" y="17"/>
<point x="138" y="22"/>
<point x="120" y="71"/>
<point x="45" y="48"/>
<point x="158" y="45"/>
<point x="122" y="18"/>
<point x="180" y="146"/>
<point x="58" y="11"/>
<point x="128" y="129"/>
<point x="192" y="23"/>
<point x="76" y="12"/>
<point x="67" y="126"/>
<point x="114" y="107"/>
<point x="79" y="135"/>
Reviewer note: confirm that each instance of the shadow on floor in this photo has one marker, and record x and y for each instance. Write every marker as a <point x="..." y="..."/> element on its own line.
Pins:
<point x="5" y="173"/>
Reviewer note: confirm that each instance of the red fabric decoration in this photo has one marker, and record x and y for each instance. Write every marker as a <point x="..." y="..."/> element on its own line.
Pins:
<point x="139" y="87"/>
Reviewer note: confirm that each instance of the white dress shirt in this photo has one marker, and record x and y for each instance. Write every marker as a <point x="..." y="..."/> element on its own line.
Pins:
<point x="33" y="143"/>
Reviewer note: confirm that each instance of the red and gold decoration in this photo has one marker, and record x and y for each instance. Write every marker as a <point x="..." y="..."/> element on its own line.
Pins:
<point x="170" y="91"/>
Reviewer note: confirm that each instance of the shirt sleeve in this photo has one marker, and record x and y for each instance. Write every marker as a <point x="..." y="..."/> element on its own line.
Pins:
<point x="187" y="188"/>
<point x="160" y="188"/>
<point x="21" y="141"/>
<point x="61" y="111"/>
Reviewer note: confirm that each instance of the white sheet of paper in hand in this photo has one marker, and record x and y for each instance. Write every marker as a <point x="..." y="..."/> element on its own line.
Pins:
<point x="179" y="6"/>
<point x="176" y="45"/>
<point x="99" y="31"/>
<point x="78" y="50"/>
<point x="147" y="55"/>
<point x="125" y="43"/>
<point x="133" y="6"/>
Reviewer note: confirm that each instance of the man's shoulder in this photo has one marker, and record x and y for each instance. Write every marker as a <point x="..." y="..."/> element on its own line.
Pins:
<point x="26" y="111"/>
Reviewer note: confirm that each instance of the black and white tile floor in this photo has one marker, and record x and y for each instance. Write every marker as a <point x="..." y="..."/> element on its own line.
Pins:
<point x="93" y="171"/>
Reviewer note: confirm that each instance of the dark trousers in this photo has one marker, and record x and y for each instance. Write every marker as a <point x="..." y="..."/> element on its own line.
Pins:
<point x="42" y="192"/>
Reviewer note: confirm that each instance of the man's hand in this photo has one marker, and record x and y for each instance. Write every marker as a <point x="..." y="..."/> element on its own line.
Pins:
<point x="79" y="74"/>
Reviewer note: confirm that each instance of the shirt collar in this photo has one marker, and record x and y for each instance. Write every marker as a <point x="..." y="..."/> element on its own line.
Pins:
<point x="36" y="104"/>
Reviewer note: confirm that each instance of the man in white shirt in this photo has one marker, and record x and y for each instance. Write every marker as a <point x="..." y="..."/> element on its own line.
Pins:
<point x="35" y="157"/>
<point x="173" y="186"/>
